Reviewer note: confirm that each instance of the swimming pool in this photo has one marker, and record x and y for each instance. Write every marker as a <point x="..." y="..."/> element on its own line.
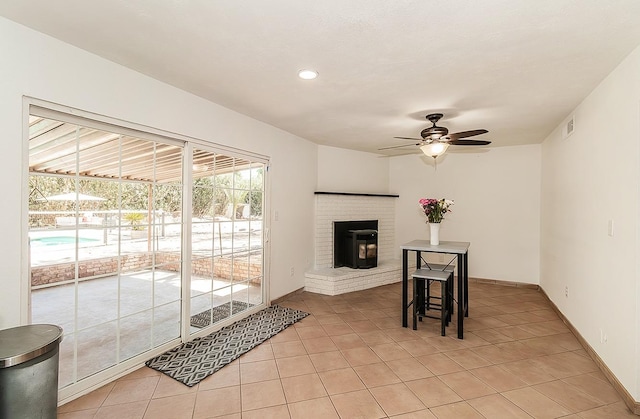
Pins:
<point x="57" y="240"/>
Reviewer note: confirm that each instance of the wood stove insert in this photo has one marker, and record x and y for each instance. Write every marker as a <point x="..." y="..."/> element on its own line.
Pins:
<point x="355" y="244"/>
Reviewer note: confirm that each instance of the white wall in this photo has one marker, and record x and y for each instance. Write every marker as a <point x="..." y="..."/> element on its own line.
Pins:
<point x="39" y="66"/>
<point x="497" y="198"/>
<point x="589" y="178"/>
<point x="341" y="170"/>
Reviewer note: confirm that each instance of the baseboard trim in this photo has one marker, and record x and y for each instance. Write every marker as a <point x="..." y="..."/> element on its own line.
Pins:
<point x="633" y="405"/>
<point x="504" y="283"/>
<point x="284" y="297"/>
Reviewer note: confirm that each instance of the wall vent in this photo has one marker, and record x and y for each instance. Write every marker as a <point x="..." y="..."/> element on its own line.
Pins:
<point x="569" y="127"/>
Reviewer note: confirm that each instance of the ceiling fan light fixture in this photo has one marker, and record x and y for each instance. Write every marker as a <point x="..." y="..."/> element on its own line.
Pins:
<point x="307" y="74"/>
<point x="434" y="149"/>
<point x="435" y="140"/>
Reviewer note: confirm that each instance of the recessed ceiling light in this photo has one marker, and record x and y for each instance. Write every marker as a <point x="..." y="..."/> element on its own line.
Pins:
<point x="307" y="74"/>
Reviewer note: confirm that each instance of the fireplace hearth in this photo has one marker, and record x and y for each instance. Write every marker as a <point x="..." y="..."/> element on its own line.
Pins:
<point x="355" y="244"/>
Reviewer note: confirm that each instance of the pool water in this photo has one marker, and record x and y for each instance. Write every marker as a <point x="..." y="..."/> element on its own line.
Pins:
<point x="57" y="240"/>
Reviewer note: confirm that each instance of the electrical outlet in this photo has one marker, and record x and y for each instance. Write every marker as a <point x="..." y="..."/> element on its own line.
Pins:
<point x="291" y="271"/>
<point x="566" y="291"/>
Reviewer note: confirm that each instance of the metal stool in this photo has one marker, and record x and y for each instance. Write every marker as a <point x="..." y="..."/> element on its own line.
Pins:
<point x="440" y="267"/>
<point x="422" y="279"/>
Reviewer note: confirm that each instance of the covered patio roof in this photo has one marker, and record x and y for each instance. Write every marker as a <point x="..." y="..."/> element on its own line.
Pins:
<point x="62" y="148"/>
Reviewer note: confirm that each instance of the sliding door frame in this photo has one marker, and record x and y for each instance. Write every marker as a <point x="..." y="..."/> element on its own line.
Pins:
<point x="144" y="132"/>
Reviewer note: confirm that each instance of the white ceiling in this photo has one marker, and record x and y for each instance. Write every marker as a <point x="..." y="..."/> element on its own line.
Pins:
<point x="514" y="67"/>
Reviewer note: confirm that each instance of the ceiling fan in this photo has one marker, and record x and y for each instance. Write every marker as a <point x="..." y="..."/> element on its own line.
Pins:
<point x="435" y="140"/>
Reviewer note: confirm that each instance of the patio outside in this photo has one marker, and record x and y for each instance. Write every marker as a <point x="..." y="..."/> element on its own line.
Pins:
<point x="141" y="306"/>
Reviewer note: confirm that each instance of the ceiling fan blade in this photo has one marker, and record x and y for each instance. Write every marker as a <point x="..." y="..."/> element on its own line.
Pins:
<point x="469" y="142"/>
<point x="465" y="134"/>
<point x="399" y="146"/>
<point x="405" y="153"/>
<point x="408" y="138"/>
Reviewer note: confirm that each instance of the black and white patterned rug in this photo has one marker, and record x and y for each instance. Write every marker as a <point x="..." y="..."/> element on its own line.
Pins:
<point x="193" y="361"/>
<point x="220" y="312"/>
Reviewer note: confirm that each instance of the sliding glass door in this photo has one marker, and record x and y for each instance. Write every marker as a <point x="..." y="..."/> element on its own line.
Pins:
<point x="126" y="238"/>
<point x="105" y="233"/>
<point x="227" y="237"/>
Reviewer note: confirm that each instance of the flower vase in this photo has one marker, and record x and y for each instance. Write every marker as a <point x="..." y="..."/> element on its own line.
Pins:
<point x="435" y="233"/>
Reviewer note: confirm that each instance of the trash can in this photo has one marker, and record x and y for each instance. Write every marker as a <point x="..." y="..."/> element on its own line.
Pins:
<point x="29" y="371"/>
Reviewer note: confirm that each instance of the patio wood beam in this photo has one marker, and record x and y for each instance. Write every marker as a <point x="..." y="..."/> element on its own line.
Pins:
<point x="50" y="152"/>
<point x="43" y="131"/>
<point x="60" y="148"/>
<point x="109" y="151"/>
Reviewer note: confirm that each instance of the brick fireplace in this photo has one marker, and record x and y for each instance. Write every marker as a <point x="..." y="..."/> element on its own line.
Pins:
<point x="333" y="207"/>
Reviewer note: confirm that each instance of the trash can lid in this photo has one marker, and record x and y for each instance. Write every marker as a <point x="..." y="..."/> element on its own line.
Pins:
<point x="23" y="343"/>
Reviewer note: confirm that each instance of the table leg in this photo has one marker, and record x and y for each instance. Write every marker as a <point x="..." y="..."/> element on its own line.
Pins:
<point x="421" y="291"/>
<point x="460" y="297"/>
<point x="466" y="284"/>
<point x="405" y="268"/>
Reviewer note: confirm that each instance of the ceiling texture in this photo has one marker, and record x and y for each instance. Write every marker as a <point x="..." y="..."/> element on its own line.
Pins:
<point x="514" y="67"/>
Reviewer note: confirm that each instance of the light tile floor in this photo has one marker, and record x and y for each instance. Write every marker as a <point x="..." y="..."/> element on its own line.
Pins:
<point x="352" y="359"/>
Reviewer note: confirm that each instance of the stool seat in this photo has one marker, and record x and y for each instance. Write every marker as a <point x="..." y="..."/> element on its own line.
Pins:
<point x="431" y="274"/>
<point x="442" y="268"/>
